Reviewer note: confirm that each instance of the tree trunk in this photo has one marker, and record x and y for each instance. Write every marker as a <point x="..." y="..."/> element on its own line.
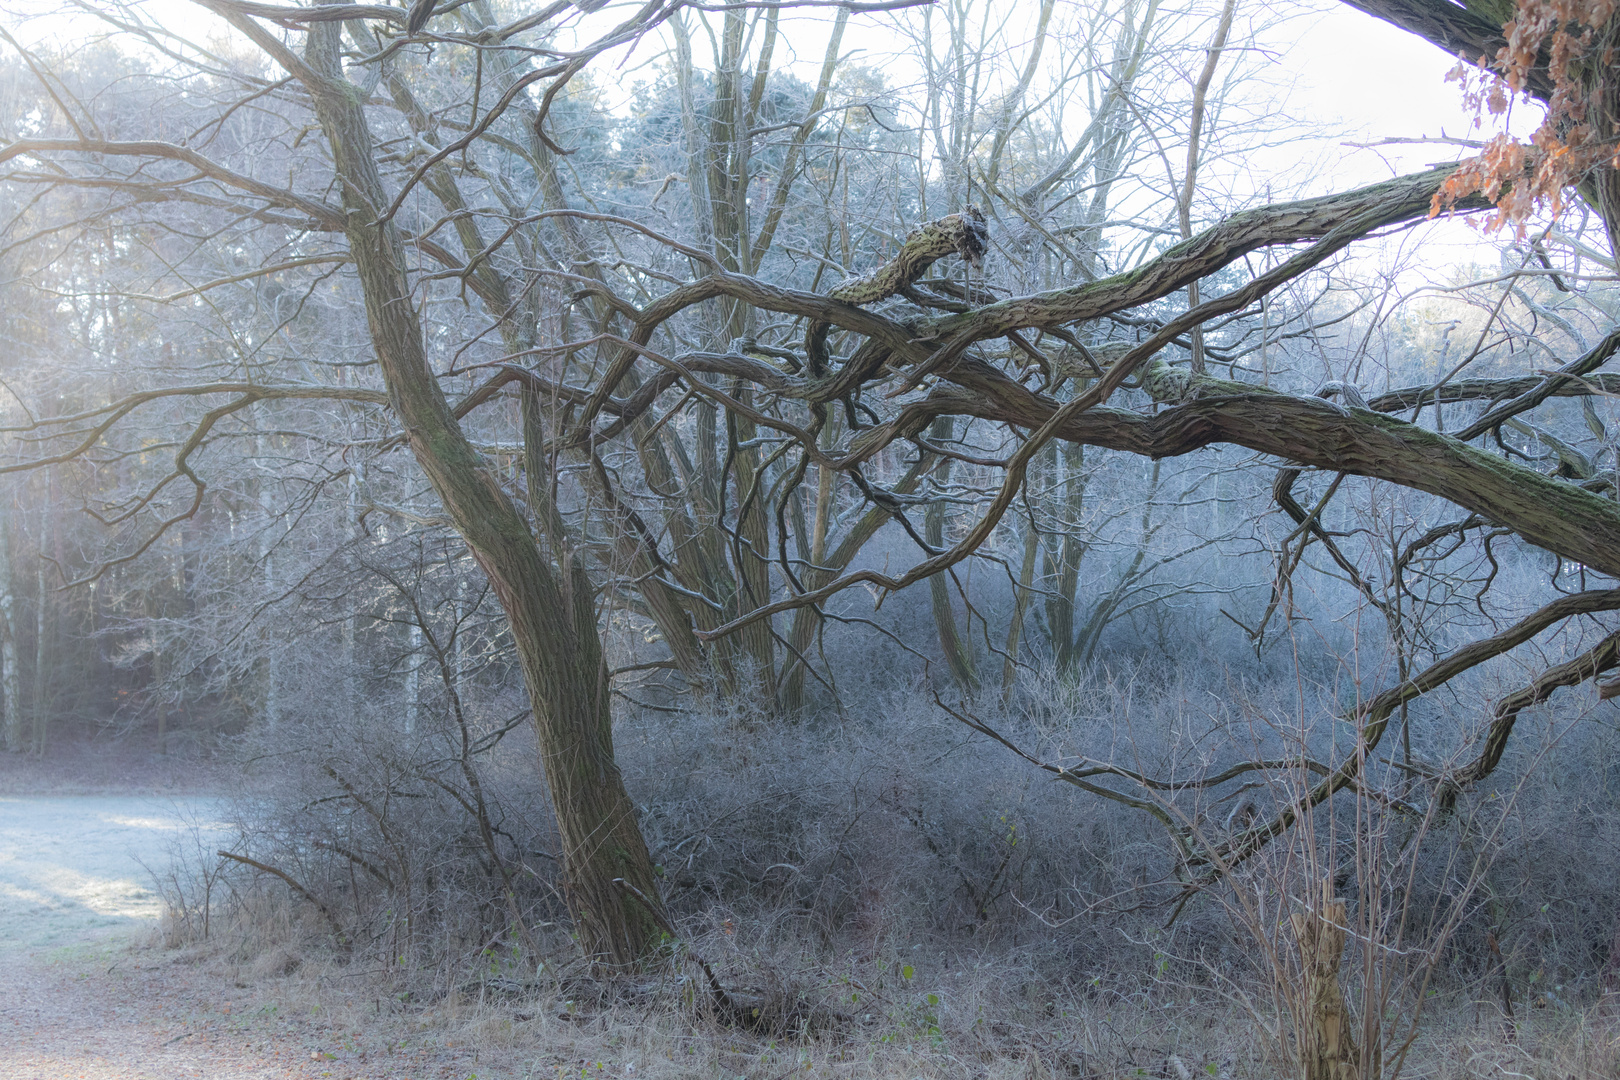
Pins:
<point x="1327" y="1050"/>
<point x="751" y="551"/>
<point x="807" y="620"/>
<point x="1021" y="596"/>
<point x="413" y="677"/>
<point x="42" y="654"/>
<point x="1062" y="606"/>
<point x="958" y="652"/>
<point x="551" y="609"/>
<point x="153" y="613"/>
<point x="11" y="716"/>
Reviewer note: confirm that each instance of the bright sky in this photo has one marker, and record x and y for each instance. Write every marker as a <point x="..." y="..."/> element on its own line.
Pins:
<point x="1374" y="82"/>
<point x="1328" y="64"/>
<point x="1333" y="64"/>
<point x="1379" y="82"/>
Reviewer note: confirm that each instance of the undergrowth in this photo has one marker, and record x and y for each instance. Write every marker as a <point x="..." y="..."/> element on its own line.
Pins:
<point x="883" y="893"/>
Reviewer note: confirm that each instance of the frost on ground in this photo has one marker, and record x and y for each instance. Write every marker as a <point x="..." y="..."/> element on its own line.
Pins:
<point x="73" y="867"/>
<point x="74" y="889"/>
<point x="86" y="993"/>
<point x="77" y="998"/>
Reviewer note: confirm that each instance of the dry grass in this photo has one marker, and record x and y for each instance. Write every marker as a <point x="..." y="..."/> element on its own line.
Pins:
<point x="897" y="901"/>
<point x="873" y="889"/>
<point x="982" y="1026"/>
<point x="905" y="1014"/>
<point x="1464" y="1040"/>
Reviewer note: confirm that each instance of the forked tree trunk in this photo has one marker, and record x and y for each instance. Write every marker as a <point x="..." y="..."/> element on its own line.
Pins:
<point x="550" y="608"/>
<point x="825" y="566"/>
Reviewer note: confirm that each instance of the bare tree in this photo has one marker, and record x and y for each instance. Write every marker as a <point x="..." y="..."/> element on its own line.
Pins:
<point x="542" y="586"/>
<point x="593" y="387"/>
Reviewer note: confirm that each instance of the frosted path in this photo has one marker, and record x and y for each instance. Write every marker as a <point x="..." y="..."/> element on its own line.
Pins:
<point x="71" y="866"/>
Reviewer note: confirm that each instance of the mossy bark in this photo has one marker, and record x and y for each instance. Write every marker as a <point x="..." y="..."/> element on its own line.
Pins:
<point x="1548" y="512"/>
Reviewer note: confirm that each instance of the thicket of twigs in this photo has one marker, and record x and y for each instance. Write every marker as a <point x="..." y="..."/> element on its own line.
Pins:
<point x="879" y="882"/>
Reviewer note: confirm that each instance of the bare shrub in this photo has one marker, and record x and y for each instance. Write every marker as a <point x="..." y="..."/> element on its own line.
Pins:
<point x="880" y="878"/>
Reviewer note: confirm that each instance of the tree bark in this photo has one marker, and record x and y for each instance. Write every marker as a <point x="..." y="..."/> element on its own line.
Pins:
<point x="1549" y="513"/>
<point x="958" y="653"/>
<point x="1021" y="595"/>
<point x="1327" y="1051"/>
<point x="551" y="609"/>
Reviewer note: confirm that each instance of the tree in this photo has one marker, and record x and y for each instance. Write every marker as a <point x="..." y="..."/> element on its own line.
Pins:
<point x="639" y="396"/>
<point x="542" y="587"/>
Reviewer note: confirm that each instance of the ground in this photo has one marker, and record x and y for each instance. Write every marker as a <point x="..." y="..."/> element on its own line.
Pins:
<point x="87" y="989"/>
<point x="92" y="988"/>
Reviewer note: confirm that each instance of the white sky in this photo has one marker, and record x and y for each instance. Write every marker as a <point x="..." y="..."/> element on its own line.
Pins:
<point x="1378" y="82"/>
<point x="1347" y="69"/>
<point x="1374" y="82"/>
<point x="1358" y="77"/>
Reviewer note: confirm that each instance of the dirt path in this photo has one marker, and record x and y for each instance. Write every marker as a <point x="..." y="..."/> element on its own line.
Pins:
<point x="110" y="1010"/>
<point x="78" y="997"/>
<point x="87" y="994"/>
<point x="81" y="1013"/>
<point x="75" y="901"/>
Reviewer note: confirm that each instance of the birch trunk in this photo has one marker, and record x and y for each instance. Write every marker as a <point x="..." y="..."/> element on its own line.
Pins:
<point x="11" y="716"/>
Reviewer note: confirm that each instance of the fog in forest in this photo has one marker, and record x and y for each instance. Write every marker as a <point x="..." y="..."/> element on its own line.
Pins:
<point x="884" y="539"/>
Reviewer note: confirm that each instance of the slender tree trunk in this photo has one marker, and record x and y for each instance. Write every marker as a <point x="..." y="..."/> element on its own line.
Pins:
<point x="807" y="620"/>
<point x="258" y="491"/>
<point x="751" y="552"/>
<point x="153" y="611"/>
<point x="413" y="678"/>
<point x="1062" y="605"/>
<point x="1015" y="629"/>
<point x="272" y="661"/>
<point x="1190" y="182"/>
<point x="1106" y="607"/>
<point x="958" y="652"/>
<point x="11" y="715"/>
<point x="42" y="655"/>
<point x="462" y="616"/>
<point x="351" y="517"/>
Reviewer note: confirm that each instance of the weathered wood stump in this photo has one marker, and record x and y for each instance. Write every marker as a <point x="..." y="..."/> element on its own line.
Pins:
<point x="1327" y="1050"/>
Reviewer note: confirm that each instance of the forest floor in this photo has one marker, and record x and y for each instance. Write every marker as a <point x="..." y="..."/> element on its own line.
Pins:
<point x="87" y="989"/>
<point x="91" y="990"/>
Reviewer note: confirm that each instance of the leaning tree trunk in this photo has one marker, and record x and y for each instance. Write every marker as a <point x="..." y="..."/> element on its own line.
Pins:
<point x="551" y="609"/>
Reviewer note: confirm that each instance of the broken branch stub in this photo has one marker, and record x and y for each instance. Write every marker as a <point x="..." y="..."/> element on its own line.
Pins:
<point x="1327" y="1051"/>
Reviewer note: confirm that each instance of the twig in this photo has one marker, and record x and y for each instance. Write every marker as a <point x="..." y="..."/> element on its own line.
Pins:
<point x="292" y="884"/>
